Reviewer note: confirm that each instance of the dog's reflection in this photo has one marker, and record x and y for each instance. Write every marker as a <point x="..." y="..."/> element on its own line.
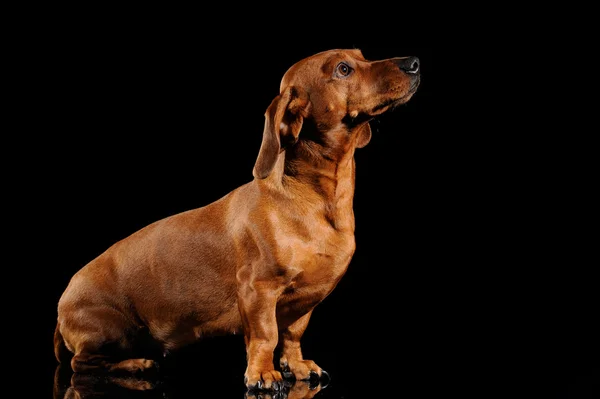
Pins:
<point x="296" y="390"/>
<point x="80" y="386"/>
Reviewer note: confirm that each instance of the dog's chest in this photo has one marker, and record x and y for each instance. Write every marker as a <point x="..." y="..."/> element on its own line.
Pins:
<point x="320" y="261"/>
<point x="314" y="271"/>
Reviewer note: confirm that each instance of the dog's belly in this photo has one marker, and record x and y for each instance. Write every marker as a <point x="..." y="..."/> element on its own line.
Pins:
<point x="187" y="329"/>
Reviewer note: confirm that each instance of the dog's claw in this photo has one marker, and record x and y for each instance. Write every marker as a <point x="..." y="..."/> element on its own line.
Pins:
<point x="313" y="380"/>
<point x="288" y="375"/>
<point x="326" y="380"/>
<point x="286" y="372"/>
<point x="253" y="387"/>
<point x="277" y="385"/>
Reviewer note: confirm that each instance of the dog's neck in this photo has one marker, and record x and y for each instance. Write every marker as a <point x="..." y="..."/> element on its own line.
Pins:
<point x="328" y="169"/>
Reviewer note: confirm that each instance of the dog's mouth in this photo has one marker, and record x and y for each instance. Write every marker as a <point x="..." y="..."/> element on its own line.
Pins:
<point x="395" y="101"/>
<point x="389" y="103"/>
<point x="414" y="85"/>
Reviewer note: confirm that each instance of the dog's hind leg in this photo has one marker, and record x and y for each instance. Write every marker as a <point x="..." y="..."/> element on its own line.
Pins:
<point x="86" y="362"/>
<point x="102" y="339"/>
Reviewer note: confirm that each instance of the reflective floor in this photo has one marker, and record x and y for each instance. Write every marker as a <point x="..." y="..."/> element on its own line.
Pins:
<point x="67" y="385"/>
<point x="216" y="371"/>
<point x="191" y="382"/>
<point x="586" y="385"/>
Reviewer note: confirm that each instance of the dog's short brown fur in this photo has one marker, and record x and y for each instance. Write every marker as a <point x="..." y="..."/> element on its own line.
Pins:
<point x="256" y="261"/>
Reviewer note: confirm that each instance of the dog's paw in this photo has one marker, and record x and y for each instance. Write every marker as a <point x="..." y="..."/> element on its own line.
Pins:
<point x="271" y="380"/>
<point x="303" y="370"/>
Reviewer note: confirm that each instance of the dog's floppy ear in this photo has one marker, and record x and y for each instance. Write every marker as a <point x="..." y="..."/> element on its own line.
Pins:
<point x="283" y="121"/>
<point x="363" y="135"/>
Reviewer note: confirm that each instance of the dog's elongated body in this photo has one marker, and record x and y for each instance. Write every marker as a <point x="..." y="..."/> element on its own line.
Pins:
<point x="258" y="260"/>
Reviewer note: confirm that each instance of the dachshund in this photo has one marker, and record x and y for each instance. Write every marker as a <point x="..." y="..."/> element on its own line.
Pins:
<point x="258" y="260"/>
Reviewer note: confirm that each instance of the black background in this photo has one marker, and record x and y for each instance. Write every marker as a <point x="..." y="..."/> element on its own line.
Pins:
<point x="473" y="271"/>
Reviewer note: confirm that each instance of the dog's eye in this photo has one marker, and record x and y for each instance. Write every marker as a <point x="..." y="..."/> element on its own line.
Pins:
<point x="343" y="69"/>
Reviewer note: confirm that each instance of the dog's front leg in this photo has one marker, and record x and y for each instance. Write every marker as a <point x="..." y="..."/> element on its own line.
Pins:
<point x="291" y="360"/>
<point x="258" y="304"/>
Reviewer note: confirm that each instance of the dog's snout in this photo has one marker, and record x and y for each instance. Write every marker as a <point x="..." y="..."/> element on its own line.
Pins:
<point x="409" y="64"/>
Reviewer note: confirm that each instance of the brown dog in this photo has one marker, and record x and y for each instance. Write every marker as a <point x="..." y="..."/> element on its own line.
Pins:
<point x="256" y="261"/>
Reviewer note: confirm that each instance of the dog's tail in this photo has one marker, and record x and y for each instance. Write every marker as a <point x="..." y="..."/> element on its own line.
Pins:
<point x="60" y="349"/>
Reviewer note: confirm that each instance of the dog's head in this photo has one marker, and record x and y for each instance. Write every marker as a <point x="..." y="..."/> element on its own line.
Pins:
<point x="338" y="92"/>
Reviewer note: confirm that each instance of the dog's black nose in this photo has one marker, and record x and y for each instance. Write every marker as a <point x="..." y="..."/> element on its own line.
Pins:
<point x="408" y="64"/>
